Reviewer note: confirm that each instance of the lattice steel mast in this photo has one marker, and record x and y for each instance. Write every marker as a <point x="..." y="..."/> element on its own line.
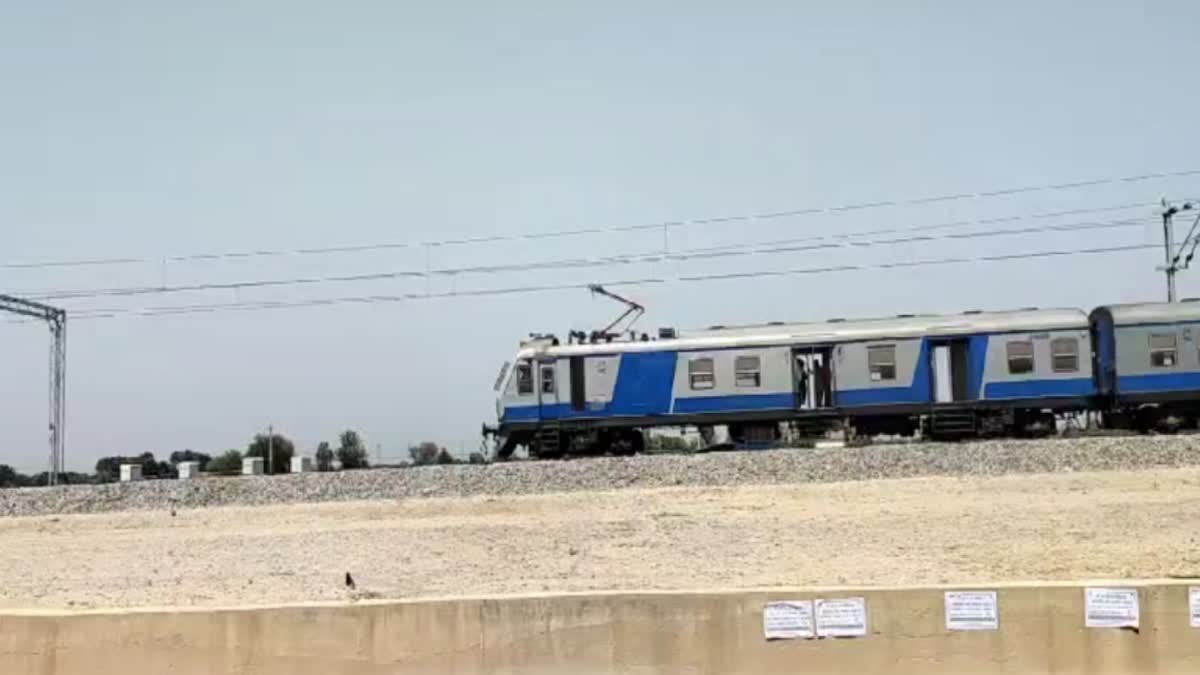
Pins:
<point x="57" y="320"/>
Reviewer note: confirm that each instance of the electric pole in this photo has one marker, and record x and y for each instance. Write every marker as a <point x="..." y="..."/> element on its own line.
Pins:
<point x="1171" y="255"/>
<point x="57" y="320"/>
<point x="270" y="449"/>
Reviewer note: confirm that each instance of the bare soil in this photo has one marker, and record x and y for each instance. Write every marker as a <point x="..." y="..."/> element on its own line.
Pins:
<point x="1120" y="524"/>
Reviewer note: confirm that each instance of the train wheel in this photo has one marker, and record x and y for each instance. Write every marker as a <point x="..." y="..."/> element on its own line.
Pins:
<point x="629" y="443"/>
<point x="639" y="442"/>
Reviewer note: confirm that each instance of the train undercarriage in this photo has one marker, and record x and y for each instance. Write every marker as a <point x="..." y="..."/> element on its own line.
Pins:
<point x="554" y="441"/>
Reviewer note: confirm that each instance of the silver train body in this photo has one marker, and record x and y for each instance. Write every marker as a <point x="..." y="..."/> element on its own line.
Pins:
<point x="969" y="374"/>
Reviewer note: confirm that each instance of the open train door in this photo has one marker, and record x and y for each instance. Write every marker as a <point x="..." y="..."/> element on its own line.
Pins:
<point x="949" y="365"/>
<point x="812" y="377"/>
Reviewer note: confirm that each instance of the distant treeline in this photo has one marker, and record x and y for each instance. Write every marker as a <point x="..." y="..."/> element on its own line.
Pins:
<point x="351" y="453"/>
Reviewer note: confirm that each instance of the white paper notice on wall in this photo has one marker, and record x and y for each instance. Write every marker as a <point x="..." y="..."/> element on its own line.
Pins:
<point x="843" y="617"/>
<point x="1194" y="606"/>
<point x="1111" y="608"/>
<point x="788" y="620"/>
<point x="972" y="610"/>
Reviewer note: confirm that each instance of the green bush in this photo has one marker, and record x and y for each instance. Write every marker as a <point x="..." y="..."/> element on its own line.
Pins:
<point x="657" y="444"/>
<point x="227" y="464"/>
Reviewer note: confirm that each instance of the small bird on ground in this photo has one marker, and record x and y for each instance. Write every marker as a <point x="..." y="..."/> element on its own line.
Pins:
<point x="349" y="581"/>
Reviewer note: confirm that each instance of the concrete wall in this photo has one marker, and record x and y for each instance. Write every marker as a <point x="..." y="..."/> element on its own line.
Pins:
<point x="1041" y="631"/>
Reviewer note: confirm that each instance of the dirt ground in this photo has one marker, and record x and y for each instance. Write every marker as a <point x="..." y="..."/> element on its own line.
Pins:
<point x="913" y="531"/>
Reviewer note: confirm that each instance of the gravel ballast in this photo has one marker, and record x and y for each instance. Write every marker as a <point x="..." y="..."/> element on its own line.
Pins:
<point x="711" y="469"/>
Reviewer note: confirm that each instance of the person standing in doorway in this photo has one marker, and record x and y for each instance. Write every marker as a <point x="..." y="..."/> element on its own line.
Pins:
<point x="824" y="385"/>
<point x="802" y="381"/>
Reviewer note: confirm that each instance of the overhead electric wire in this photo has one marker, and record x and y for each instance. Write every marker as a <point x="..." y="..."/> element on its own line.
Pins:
<point x="761" y="248"/>
<point x="917" y="263"/>
<point x="942" y="226"/>
<point x="354" y="248"/>
<point x="170" y="310"/>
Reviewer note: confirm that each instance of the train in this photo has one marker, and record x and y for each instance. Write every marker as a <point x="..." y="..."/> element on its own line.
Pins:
<point x="951" y="376"/>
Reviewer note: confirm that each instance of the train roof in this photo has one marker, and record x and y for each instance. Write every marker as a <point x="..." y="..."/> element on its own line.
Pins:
<point x="837" y="330"/>
<point x="1133" y="314"/>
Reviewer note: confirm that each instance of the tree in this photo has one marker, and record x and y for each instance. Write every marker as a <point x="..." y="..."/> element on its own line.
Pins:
<point x="65" y="478"/>
<point x="351" y="452"/>
<point x="324" y="457"/>
<point x="108" y="469"/>
<point x="226" y="464"/>
<point x="189" y="456"/>
<point x="10" y="477"/>
<point x="282" y="451"/>
<point x="424" y="453"/>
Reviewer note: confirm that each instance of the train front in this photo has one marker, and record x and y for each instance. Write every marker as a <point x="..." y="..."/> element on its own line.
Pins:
<point x="515" y="417"/>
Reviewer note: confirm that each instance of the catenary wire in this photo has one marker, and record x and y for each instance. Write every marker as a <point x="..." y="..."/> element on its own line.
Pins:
<point x="775" y="247"/>
<point x="170" y="310"/>
<point x="354" y="248"/>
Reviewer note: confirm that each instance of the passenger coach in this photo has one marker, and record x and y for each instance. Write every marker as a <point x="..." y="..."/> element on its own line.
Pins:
<point x="949" y="375"/>
<point x="1148" y="362"/>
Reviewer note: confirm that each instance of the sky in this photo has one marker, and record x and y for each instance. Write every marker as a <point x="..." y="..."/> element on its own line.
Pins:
<point x="154" y="130"/>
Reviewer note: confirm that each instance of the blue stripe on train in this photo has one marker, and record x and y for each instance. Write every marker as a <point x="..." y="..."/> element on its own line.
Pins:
<point x="881" y="396"/>
<point x="1077" y="386"/>
<point x="1133" y="384"/>
<point x="645" y="384"/>
<point x="520" y="413"/>
<point x="977" y="353"/>
<point x="735" y="402"/>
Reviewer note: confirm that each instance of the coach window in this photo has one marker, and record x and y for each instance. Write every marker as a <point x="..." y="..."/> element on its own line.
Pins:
<point x="1020" y="357"/>
<point x="1162" y="350"/>
<point x="1064" y="354"/>
<point x="700" y="373"/>
<point x="547" y="379"/>
<point x="747" y="371"/>
<point x="524" y="379"/>
<point x="881" y="360"/>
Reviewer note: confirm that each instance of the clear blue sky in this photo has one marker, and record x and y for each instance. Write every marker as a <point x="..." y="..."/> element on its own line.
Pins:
<point x="158" y="128"/>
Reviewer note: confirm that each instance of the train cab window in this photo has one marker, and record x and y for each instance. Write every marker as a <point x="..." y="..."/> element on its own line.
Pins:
<point x="1064" y="355"/>
<point x="747" y="371"/>
<point x="1020" y="357"/>
<point x="700" y="373"/>
<point x="548" y="379"/>
<point x="881" y="361"/>
<point x="1162" y="350"/>
<point x="524" y="379"/>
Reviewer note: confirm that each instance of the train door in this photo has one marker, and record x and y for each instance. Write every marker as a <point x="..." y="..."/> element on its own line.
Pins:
<point x="812" y="377"/>
<point x="547" y="384"/>
<point x="948" y="369"/>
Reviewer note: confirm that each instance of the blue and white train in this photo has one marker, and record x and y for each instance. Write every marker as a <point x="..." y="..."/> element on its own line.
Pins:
<point x="951" y="376"/>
